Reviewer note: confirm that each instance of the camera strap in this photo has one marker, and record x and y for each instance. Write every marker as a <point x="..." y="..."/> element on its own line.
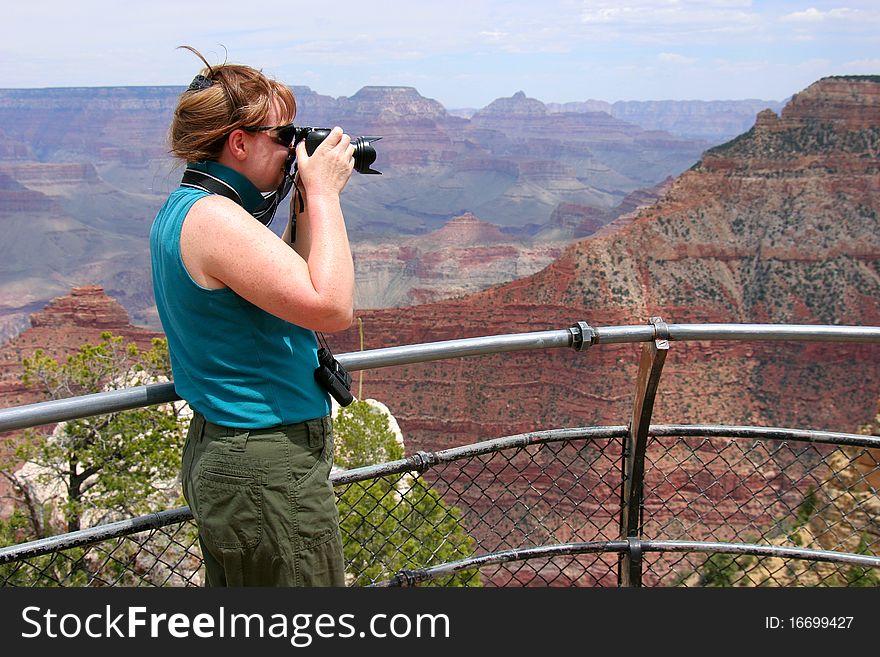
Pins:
<point x="264" y="212"/>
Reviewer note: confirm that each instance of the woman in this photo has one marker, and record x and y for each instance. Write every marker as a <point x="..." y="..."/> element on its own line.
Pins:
<point x="240" y="307"/>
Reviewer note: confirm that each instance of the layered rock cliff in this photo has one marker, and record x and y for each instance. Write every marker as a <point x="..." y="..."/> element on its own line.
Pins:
<point x="779" y="226"/>
<point x="712" y="120"/>
<point x="466" y="255"/>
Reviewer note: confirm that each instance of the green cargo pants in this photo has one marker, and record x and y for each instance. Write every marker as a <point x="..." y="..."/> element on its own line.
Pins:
<point x="263" y="503"/>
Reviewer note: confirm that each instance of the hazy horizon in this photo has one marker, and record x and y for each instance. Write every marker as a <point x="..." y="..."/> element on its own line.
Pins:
<point x="463" y="54"/>
<point x="451" y="108"/>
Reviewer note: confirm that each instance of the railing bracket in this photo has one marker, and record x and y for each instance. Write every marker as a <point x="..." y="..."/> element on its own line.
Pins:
<point x="408" y="577"/>
<point x="422" y="461"/>
<point x="661" y="333"/>
<point x="634" y="554"/>
<point x="582" y="336"/>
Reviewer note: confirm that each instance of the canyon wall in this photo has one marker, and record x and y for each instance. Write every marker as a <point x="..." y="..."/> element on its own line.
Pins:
<point x="83" y="171"/>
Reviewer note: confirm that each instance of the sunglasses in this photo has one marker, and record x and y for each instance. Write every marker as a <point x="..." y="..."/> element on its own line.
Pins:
<point x="284" y="134"/>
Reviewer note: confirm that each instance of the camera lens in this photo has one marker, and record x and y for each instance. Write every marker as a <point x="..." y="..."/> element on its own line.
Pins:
<point x="364" y="152"/>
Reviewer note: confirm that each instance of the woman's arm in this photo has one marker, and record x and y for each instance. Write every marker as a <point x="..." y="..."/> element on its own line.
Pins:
<point x="312" y="285"/>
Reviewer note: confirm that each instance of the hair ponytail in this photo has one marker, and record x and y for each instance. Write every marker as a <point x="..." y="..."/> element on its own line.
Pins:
<point x="228" y="96"/>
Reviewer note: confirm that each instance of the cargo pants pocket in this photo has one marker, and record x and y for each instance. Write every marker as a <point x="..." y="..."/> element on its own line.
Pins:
<point x="230" y="501"/>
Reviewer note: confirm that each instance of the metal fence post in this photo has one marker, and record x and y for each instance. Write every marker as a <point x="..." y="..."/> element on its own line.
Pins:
<point x="650" y="368"/>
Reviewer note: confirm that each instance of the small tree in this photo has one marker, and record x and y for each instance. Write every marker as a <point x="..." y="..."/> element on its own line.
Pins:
<point x="96" y="469"/>
<point x="393" y="522"/>
<point x="364" y="436"/>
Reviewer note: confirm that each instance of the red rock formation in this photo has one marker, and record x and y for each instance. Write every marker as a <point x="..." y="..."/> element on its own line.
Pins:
<point x="849" y="102"/>
<point x="59" y="330"/>
<point x="467" y="230"/>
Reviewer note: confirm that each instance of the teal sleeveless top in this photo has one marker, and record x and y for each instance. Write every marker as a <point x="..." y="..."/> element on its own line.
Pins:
<point x="234" y="363"/>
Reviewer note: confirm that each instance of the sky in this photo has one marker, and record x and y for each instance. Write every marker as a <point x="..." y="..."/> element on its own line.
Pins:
<point x="461" y="53"/>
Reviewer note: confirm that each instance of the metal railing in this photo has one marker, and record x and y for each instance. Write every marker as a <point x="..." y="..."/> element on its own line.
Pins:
<point x="627" y="505"/>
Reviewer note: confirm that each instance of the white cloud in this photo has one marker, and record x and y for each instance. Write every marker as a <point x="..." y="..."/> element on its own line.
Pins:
<point x="675" y="59"/>
<point x="871" y="66"/>
<point x="668" y="14"/>
<point x="494" y="35"/>
<point x="672" y="22"/>
<point x="810" y="15"/>
<point x="608" y="14"/>
<point x="813" y="15"/>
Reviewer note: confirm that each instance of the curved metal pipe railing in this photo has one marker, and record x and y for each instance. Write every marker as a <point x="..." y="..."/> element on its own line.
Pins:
<point x="96" y="534"/>
<point x="764" y="433"/>
<point x="414" y="576"/>
<point x="113" y="401"/>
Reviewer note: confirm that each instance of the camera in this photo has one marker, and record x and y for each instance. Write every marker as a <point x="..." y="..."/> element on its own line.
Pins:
<point x="364" y="152"/>
<point x="333" y="377"/>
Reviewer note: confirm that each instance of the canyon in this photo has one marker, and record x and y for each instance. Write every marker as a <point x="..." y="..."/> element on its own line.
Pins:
<point x="83" y="172"/>
<point x="779" y="225"/>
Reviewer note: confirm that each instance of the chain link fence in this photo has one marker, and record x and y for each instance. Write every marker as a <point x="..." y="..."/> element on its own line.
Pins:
<point x="544" y="509"/>
<point x="774" y="493"/>
<point x="716" y="506"/>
